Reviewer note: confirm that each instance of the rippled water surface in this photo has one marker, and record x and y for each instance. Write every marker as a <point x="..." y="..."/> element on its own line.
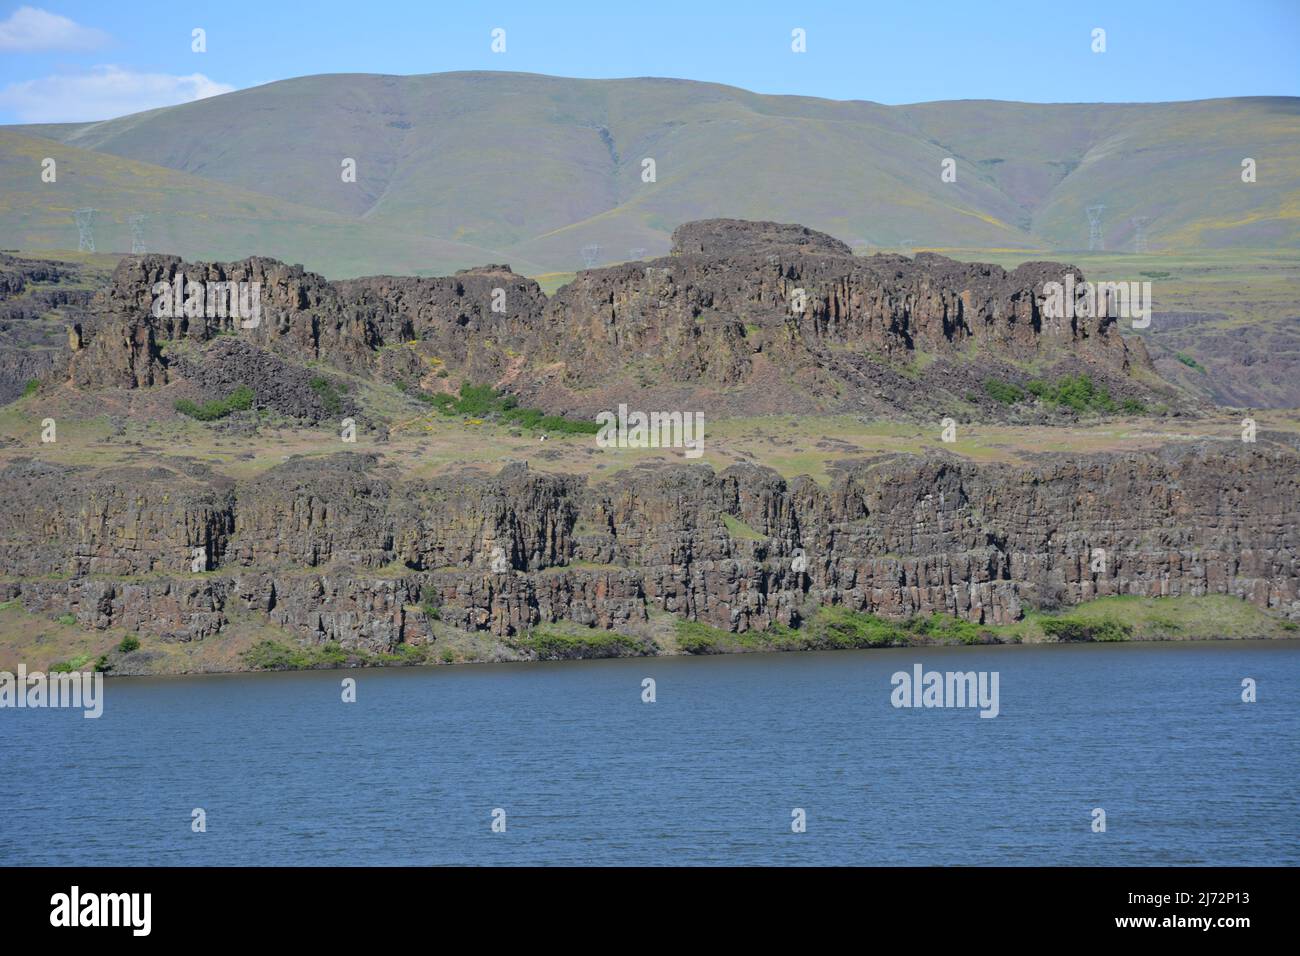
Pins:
<point x="1156" y="735"/>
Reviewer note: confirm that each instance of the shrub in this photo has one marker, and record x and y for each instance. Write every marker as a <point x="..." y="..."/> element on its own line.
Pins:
<point x="1076" y="392"/>
<point x="67" y="619"/>
<point x="696" y="637"/>
<point x="31" y="387"/>
<point x="945" y="627"/>
<point x="67" y="667"/>
<point x="129" y="643"/>
<point x="329" y="395"/>
<point x="1190" y="362"/>
<point x="274" y="656"/>
<point x="483" y="401"/>
<point x="1079" y="629"/>
<point x="842" y="627"/>
<point x="240" y="400"/>
<point x="332" y="653"/>
<point x="1007" y="393"/>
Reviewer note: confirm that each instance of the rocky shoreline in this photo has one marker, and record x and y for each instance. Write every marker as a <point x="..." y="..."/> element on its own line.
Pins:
<point x="338" y="551"/>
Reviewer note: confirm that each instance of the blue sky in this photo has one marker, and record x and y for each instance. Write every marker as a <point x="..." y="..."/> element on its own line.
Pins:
<point x="64" y="61"/>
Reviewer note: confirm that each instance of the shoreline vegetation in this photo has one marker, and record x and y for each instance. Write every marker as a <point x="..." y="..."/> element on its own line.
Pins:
<point x="60" y="645"/>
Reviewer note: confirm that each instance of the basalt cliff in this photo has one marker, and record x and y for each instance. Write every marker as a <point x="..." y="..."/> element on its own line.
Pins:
<point x="742" y="318"/>
<point x="348" y="548"/>
<point x="335" y="550"/>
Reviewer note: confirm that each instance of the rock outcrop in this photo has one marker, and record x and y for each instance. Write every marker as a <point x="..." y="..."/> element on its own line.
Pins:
<point x="746" y="317"/>
<point x="336" y="549"/>
<point x="37" y="299"/>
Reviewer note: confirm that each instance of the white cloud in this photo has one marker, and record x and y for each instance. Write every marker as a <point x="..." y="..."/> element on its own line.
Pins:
<point x="102" y="93"/>
<point x="29" y="29"/>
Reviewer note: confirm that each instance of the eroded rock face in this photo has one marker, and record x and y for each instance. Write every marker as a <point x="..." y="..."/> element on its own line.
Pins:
<point x="288" y="388"/>
<point x="709" y="316"/>
<point x="36" y="298"/>
<point x="333" y="549"/>
<point x="764" y="312"/>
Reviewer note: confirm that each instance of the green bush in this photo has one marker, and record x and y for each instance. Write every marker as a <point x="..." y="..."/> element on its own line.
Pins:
<point x="331" y="653"/>
<point x="842" y="627"/>
<point x="483" y="401"/>
<point x="1007" y="393"/>
<point x="696" y="637"/>
<point x="273" y="656"/>
<point x="129" y="643"/>
<point x="1076" y="392"/>
<point x="945" y="627"/>
<point x="1081" y="629"/>
<point x="67" y="619"/>
<point x="67" y="667"/>
<point x="31" y="387"/>
<point x="329" y="395"/>
<point x="240" y="400"/>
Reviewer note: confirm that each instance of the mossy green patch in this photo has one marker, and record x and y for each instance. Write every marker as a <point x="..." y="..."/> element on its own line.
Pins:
<point x="739" y="530"/>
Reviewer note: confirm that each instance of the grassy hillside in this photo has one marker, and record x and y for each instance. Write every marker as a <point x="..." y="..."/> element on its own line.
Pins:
<point x="197" y="218"/>
<point x="533" y="170"/>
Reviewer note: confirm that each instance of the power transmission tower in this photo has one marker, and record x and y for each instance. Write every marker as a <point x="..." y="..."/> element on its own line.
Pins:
<point x="590" y="254"/>
<point x="137" y="235"/>
<point x="85" y="230"/>
<point x="1140" y="233"/>
<point x="1094" y="227"/>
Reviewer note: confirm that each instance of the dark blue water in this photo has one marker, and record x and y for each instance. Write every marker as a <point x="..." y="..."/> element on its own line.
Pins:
<point x="1156" y="735"/>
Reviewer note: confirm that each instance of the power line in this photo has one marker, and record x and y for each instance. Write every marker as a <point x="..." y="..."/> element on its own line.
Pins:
<point x="1095" y="243"/>
<point x="1140" y="232"/>
<point x="137" y="234"/>
<point x="85" y="230"/>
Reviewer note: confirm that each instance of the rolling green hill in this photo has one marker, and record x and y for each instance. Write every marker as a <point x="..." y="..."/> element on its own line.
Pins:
<point x="458" y="169"/>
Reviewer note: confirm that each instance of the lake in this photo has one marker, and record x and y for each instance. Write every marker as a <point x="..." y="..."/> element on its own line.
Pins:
<point x="1156" y="735"/>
